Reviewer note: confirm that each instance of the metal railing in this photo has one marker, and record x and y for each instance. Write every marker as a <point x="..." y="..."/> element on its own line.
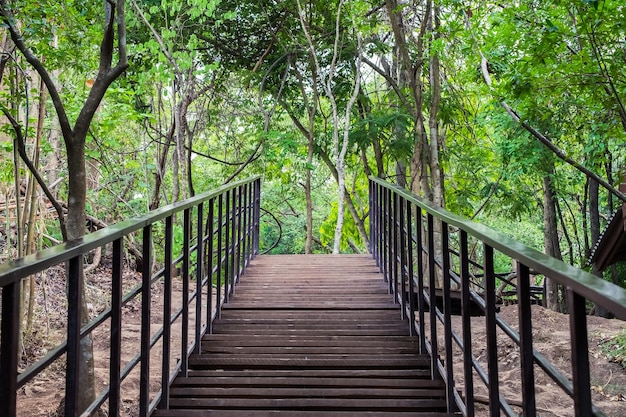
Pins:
<point x="411" y="240"/>
<point x="219" y="227"/>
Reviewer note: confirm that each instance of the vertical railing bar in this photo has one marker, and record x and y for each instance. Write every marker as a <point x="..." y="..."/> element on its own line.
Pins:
<point x="383" y="233"/>
<point x="375" y="213"/>
<point x="200" y="276"/>
<point x="373" y="217"/>
<point x="218" y="284"/>
<point x="250" y="222"/>
<point x="411" y="272"/>
<point x="233" y="240"/>
<point x="580" y="354"/>
<point x="526" y="340"/>
<point x="116" y="328"/>
<point x="434" y="342"/>
<point x="370" y="185"/>
<point x="375" y="229"/>
<point x="185" y="296"/>
<point x="447" y="315"/>
<point x="74" y="302"/>
<point x="146" y="283"/>
<point x="468" y="374"/>
<point x="9" y="349"/>
<point x="492" y="342"/>
<point x="394" y="245"/>
<point x="421" y="302"/>
<point x="240" y="216"/>
<point x="387" y="240"/>
<point x="226" y="261"/>
<point x="245" y="229"/>
<point x="257" y="215"/>
<point x="403" y="256"/>
<point x="381" y="229"/>
<point x="167" y="312"/>
<point x="211" y="234"/>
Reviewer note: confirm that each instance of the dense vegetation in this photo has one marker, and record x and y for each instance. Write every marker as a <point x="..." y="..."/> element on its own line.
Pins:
<point x="509" y="113"/>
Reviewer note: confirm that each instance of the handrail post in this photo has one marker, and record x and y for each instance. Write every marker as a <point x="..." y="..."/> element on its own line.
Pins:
<point x="526" y="340"/>
<point x="580" y="354"/>
<point x="490" y="322"/>
<point x="185" y="296"/>
<point x="468" y="375"/>
<point x="244" y="237"/>
<point x="403" y="255"/>
<point x="200" y="276"/>
<point x="432" y="295"/>
<point x="226" y="259"/>
<point x="9" y="352"/>
<point x="240" y="220"/>
<point x="386" y="237"/>
<point x="257" y="216"/>
<point x="447" y="316"/>
<point x="250" y="232"/>
<point x="167" y="311"/>
<point x="411" y="270"/>
<point x="116" y="328"/>
<point x="393" y="218"/>
<point x="146" y="286"/>
<point x="373" y="213"/>
<point x="211" y="236"/>
<point x="218" y="272"/>
<point x="233" y="240"/>
<point x="74" y="301"/>
<point x="421" y="303"/>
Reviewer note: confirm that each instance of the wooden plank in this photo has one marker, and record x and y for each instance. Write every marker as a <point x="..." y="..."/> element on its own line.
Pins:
<point x="305" y="392"/>
<point x="367" y="362"/>
<point x="299" y="413"/>
<point x="408" y="404"/>
<point x="321" y="373"/>
<point x="297" y="380"/>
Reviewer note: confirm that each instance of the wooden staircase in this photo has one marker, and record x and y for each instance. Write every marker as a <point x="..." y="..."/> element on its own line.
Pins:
<point x="309" y="336"/>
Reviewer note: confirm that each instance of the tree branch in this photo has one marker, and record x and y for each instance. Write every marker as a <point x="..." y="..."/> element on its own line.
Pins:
<point x="21" y="148"/>
<point x="389" y="80"/>
<point x="253" y="157"/>
<point x="106" y="74"/>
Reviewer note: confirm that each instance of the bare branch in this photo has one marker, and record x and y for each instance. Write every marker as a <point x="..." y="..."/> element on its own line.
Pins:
<point x="253" y="157"/>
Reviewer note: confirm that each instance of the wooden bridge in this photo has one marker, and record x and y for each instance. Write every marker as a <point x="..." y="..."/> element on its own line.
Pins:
<point x="292" y="341"/>
<point x="315" y="335"/>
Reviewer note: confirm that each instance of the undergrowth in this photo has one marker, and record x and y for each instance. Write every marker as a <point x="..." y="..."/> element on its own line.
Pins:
<point x="615" y="348"/>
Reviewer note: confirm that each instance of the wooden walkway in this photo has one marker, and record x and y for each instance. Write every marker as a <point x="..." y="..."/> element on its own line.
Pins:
<point x="309" y="336"/>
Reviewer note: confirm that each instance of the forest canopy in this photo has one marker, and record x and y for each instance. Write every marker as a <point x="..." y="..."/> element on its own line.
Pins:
<point x="504" y="112"/>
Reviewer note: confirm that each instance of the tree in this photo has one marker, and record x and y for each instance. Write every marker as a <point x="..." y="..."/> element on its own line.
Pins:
<point x="114" y="32"/>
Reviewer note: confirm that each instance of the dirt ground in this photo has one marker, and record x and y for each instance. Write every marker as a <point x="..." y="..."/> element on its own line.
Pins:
<point x="42" y="396"/>
<point x="550" y="338"/>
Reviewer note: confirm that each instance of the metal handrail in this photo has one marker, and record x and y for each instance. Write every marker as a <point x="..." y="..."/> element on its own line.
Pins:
<point x="402" y="232"/>
<point x="229" y="232"/>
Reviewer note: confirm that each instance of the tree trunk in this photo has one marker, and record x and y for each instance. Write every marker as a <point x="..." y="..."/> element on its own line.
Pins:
<point x="594" y="226"/>
<point x="351" y="207"/>
<point x="550" y="239"/>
